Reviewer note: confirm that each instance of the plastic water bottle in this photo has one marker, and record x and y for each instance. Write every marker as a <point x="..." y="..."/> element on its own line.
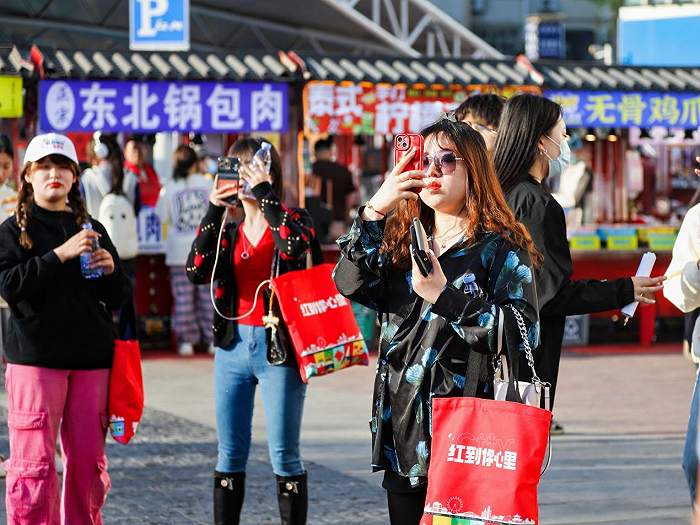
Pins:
<point x="85" y="258"/>
<point x="266" y="157"/>
<point x="471" y="287"/>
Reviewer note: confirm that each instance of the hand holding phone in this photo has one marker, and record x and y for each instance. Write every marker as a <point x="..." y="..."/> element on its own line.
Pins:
<point x="419" y="248"/>
<point x="403" y="144"/>
<point x="226" y="181"/>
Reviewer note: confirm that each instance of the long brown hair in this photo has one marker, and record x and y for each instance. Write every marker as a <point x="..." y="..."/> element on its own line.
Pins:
<point x="25" y="198"/>
<point x="485" y="207"/>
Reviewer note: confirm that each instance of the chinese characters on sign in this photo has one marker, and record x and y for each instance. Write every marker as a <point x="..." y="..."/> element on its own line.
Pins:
<point x="163" y="106"/>
<point x="485" y="457"/>
<point x="150" y="231"/>
<point x="382" y="108"/>
<point x="619" y="109"/>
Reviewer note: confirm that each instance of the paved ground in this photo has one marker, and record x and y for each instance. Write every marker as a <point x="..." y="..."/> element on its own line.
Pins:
<point x="619" y="461"/>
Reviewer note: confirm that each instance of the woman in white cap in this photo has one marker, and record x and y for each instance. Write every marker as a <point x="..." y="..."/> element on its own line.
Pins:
<point x="60" y="347"/>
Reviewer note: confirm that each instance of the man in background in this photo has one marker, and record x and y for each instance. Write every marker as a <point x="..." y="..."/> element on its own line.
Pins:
<point x="135" y="155"/>
<point x="336" y="181"/>
<point x="482" y="112"/>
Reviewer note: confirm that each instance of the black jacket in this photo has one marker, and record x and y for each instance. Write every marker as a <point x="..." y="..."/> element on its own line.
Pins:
<point x="558" y="295"/>
<point x="292" y="230"/>
<point x="58" y="319"/>
<point x="427" y="350"/>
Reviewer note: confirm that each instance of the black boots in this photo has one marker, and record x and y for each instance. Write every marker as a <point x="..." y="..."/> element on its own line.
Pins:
<point x="293" y="498"/>
<point x="229" y="489"/>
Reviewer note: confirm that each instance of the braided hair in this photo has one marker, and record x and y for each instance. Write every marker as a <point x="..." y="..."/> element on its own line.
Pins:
<point x="25" y="199"/>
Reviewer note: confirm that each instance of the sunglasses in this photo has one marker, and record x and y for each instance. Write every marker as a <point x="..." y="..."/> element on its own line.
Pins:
<point x="445" y="162"/>
<point x="477" y="127"/>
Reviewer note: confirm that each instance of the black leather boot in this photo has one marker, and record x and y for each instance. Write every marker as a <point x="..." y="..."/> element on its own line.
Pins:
<point x="293" y="499"/>
<point x="229" y="489"/>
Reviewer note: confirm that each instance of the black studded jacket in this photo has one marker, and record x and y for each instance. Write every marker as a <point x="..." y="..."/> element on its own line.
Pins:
<point x="292" y="230"/>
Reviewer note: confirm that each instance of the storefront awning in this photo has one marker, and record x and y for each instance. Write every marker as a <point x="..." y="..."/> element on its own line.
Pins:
<point x="428" y="71"/>
<point x="598" y="77"/>
<point x="71" y="64"/>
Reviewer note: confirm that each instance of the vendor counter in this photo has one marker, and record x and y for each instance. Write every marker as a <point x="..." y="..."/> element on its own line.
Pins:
<point x="604" y="264"/>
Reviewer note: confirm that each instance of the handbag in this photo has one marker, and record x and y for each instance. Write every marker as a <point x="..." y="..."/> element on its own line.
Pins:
<point x="125" y="391"/>
<point x="319" y="321"/>
<point x="487" y="455"/>
<point x="530" y="391"/>
<point x="126" y="397"/>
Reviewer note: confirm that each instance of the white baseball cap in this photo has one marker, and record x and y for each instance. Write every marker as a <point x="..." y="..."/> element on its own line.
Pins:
<point x="50" y="144"/>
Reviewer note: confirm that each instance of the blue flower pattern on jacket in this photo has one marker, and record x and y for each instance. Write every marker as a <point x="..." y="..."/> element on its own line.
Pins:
<point x="419" y="341"/>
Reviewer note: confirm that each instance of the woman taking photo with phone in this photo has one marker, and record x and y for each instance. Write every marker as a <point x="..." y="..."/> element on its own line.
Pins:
<point x="238" y="260"/>
<point x="437" y="331"/>
<point x="532" y="145"/>
<point x="61" y="343"/>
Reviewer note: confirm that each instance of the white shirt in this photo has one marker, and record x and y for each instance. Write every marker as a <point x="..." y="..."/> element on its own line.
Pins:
<point x="682" y="287"/>
<point x="8" y="201"/>
<point x="97" y="182"/>
<point x="181" y="206"/>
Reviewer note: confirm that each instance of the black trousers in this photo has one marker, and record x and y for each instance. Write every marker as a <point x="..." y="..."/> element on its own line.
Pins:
<point x="406" y="508"/>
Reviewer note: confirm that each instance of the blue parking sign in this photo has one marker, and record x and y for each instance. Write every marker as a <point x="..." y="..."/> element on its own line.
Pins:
<point x="159" y="25"/>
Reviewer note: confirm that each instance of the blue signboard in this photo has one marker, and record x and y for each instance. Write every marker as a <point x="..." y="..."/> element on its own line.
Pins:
<point x="550" y="39"/>
<point x="159" y="25"/>
<point x="619" y="109"/>
<point x="111" y="105"/>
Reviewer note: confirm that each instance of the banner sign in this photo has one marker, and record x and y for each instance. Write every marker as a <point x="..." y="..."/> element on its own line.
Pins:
<point x="218" y="107"/>
<point x="11" y="105"/>
<point x="383" y="108"/>
<point x="150" y="231"/>
<point x="618" y="109"/>
<point x="159" y="25"/>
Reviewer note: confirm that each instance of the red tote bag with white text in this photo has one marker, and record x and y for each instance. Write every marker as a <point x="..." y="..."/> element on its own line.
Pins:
<point x="320" y="322"/>
<point x="485" y="462"/>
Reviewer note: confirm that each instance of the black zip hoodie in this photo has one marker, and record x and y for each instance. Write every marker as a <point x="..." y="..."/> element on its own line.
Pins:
<point x="58" y="319"/>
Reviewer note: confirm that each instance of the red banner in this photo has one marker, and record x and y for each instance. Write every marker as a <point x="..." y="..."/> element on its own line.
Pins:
<point x="345" y="109"/>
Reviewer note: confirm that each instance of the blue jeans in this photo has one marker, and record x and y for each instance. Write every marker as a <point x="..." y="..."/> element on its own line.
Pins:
<point x="237" y="371"/>
<point x="690" y="451"/>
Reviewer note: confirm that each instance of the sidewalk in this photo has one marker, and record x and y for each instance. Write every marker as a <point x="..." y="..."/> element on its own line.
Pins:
<point x="619" y="461"/>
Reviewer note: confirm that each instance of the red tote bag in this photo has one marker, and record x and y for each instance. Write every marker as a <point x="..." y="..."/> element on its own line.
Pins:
<point x="125" y="391"/>
<point x="320" y="322"/>
<point x="486" y="459"/>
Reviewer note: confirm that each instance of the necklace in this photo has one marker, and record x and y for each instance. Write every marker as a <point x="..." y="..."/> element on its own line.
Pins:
<point x="442" y="240"/>
<point x="246" y="251"/>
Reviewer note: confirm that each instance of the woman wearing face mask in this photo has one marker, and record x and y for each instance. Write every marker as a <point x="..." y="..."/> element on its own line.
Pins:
<point x="531" y="146"/>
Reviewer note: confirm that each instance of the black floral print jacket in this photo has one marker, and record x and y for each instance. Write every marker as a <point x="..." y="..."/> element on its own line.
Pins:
<point x="426" y="349"/>
<point x="292" y="230"/>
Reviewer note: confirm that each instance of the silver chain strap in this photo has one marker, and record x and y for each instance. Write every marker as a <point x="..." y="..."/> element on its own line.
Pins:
<point x="526" y="342"/>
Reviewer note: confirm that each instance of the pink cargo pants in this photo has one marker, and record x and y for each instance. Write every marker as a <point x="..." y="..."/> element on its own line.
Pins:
<point x="39" y="399"/>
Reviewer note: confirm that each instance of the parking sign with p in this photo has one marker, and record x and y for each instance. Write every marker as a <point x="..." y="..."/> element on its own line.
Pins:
<point x="159" y="25"/>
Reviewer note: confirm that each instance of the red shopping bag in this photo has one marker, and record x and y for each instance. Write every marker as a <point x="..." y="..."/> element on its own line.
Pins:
<point x="485" y="462"/>
<point x="320" y="322"/>
<point x="125" y="391"/>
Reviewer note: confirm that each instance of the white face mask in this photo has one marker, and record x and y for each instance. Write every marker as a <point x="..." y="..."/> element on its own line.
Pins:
<point x="558" y="165"/>
<point x="211" y="166"/>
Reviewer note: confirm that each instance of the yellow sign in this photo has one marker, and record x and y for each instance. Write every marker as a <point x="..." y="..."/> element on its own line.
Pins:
<point x="11" y="97"/>
<point x="585" y="242"/>
<point x="660" y="242"/>
<point x="622" y="242"/>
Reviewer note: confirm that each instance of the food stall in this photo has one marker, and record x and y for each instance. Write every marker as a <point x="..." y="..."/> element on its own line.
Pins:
<point x="638" y="127"/>
<point x="169" y="96"/>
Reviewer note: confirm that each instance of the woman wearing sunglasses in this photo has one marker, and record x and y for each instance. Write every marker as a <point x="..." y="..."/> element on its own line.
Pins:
<point x="434" y="327"/>
<point x="531" y="146"/>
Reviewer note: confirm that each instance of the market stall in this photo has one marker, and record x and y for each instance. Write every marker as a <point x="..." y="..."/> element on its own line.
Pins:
<point x="638" y="131"/>
<point x="168" y="96"/>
